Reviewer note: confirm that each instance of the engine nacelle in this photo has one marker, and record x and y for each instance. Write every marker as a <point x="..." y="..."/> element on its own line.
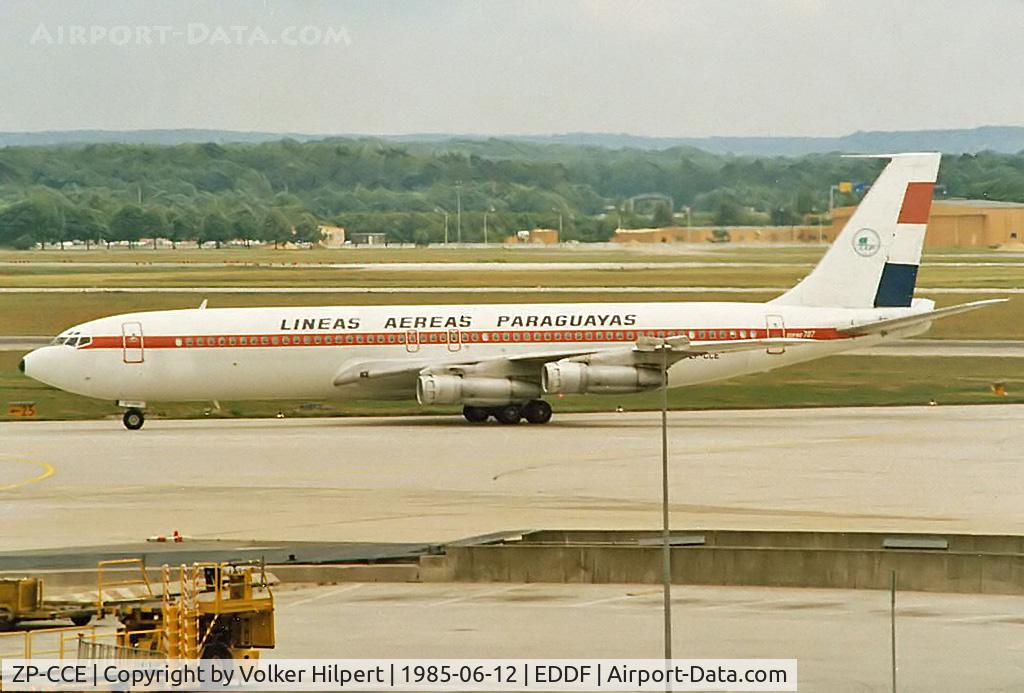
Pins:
<point x="571" y="378"/>
<point x="481" y="392"/>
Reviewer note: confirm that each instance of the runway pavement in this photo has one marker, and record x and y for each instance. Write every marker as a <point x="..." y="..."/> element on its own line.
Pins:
<point x="434" y="479"/>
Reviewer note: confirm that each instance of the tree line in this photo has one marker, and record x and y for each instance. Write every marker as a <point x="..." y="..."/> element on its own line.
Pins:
<point x="281" y="191"/>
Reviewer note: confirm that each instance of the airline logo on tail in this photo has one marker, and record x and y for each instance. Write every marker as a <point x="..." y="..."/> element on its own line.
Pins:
<point x="867" y="242"/>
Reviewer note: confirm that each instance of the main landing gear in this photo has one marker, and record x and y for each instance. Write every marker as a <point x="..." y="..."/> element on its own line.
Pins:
<point x="535" y="411"/>
<point x="133" y="419"/>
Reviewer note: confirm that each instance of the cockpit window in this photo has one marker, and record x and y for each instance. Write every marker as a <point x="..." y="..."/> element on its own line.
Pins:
<point x="83" y="341"/>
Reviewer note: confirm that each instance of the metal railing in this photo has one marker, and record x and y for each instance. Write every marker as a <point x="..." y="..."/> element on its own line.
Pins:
<point x="101" y="584"/>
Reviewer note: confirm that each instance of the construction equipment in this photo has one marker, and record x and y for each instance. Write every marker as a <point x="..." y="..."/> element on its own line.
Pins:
<point x="21" y="599"/>
<point x="220" y="611"/>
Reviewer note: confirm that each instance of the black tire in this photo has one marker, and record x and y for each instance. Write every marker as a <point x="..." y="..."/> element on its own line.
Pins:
<point x="475" y="414"/>
<point x="133" y="419"/>
<point x="508" y="414"/>
<point x="82" y="620"/>
<point x="537" y="412"/>
<point x="217" y="650"/>
<point x="7" y="620"/>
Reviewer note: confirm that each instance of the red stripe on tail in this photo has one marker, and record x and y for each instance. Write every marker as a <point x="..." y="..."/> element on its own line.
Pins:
<point x="917" y="202"/>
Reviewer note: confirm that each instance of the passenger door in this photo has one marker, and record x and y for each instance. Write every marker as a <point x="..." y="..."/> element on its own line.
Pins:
<point x="133" y="342"/>
<point x="776" y="330"/>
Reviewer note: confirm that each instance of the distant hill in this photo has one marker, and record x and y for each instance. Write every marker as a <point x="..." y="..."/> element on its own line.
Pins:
<point x="1002" y="139"/>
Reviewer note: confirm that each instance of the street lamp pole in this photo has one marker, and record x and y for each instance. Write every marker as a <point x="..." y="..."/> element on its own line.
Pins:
<point x="486" y="212"/>
<point x="443" y="211"/>
<point x="666" y="555"/>
<point x="458" y="210"/>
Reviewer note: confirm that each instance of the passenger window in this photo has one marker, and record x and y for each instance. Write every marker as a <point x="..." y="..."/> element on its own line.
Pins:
<point x="307" y="339"/>
<point x="244" y="341"/>
<point x="505" y="337"/>
<point x="177" y="342"/>
<point x="274" y="340"/>
<point x="287" y="340"/>
<point x="348" y="339"/>
<point x="701" y="334"/>
<point x="732" y="334"/>
<point x="232" y="341"/>
<point x="743" y="334"/>
<point x="391" y="339"/>
<point x="317" y="339"/>
<point x="359" y="339"/>
<point x="189" y="341"/>
<point x="200" y="341"/>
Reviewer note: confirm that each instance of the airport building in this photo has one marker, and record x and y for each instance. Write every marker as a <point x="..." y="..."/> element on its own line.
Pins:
<point x="952" y="223"/>
<point x="959" y="223"/>
<point x="723" y="234"/>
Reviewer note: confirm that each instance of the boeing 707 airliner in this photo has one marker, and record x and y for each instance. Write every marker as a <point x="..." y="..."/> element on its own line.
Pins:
<point x="501" y="360"/>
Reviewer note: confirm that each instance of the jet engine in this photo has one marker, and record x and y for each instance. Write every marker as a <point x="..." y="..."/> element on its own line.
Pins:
<point x="482" y="392"/>
<point x="569" y="377"/>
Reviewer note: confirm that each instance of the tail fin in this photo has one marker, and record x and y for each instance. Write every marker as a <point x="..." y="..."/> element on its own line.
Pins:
<point x="874" y="260"/>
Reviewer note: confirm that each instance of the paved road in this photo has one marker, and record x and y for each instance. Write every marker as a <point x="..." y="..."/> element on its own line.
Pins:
<point x="435" y="479"/>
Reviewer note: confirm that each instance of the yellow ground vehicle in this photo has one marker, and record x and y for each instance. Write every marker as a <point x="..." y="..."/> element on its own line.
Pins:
<point x="221" y="611"/>
<point x="21" y="599"/>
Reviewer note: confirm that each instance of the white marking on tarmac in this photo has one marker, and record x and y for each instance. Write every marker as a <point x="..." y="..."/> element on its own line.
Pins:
<point x="474" y="595"/>
<point x="325" y="595"/>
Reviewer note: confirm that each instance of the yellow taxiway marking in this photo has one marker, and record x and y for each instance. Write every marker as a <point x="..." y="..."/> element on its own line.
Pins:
<point x="48" y="471"/>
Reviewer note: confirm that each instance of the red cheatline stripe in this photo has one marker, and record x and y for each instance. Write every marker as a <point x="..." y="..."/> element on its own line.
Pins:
<point x="248" y="341"/>
<point x="917" y="202"/>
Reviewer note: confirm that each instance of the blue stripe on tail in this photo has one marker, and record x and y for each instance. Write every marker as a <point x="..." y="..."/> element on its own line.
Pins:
<point x="896" y="287"/>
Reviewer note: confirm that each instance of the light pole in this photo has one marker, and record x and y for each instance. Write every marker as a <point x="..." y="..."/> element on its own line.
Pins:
<point x="486" y="212"/>
<point x="443" y="211"/>
<point x="458" y="210"/>
<point x="666" y="554"/>
<point x="664" y="345"/>
<point x="555" y="209"/>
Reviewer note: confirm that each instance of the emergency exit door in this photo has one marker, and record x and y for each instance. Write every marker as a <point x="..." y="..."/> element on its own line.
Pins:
<point x="133" y="342"/>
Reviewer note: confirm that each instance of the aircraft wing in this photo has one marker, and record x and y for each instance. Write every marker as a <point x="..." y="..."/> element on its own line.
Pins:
<point x="884" y="326"/>
<point x="401" y="374"/>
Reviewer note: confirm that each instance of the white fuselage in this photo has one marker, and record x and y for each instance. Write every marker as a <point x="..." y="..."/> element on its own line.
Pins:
<point x="296" y="353"/>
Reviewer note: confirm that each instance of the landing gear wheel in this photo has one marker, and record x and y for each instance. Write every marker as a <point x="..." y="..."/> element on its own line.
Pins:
<point x="508" y="414"/>
<point x="133" y="419"/>
<point x="475" y="414"/>
<point x="537" y="412"/>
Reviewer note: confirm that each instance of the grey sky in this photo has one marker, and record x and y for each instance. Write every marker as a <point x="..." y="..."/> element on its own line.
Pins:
<point x="804" y="67"/>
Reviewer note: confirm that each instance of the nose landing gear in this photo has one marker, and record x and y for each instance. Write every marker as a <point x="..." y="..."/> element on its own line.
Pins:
<point x="133" y="419"/>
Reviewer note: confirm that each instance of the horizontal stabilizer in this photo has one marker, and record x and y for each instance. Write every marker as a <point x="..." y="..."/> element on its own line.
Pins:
<point x="884" y="326"/>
